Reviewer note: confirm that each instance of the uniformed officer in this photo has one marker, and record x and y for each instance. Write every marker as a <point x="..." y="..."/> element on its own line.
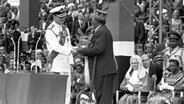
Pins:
<point x="174" y="51"/>
<point x="59" y="46"/>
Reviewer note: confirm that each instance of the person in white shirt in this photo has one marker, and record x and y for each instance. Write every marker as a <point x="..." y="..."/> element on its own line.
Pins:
<point x="59" y="46"/>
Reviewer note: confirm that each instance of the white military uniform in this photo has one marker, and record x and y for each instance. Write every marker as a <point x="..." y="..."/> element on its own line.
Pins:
<point x="177" y="54"/>
<point x="62" y="62"/>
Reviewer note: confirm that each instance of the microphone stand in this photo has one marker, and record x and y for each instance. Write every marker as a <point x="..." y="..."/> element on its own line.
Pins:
<point x="14" y="54"/>
<point x="18" y="51"/>
<point x="36" y="47"/>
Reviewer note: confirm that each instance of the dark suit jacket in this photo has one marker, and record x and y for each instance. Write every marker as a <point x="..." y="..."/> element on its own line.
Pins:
<point x="160" y="48"/>
<point x="16" y="34"/>
<point x="102" y="47"/>
<point x="139" y="33"/>
<point x="157" y="70"/>
<point x="31" y="38"/>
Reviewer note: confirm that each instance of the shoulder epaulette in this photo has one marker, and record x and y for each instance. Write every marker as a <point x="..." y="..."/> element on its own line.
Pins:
<point x="50" y="26"/>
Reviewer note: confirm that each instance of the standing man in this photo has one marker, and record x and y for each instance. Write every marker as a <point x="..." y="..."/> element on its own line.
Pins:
<point x="59" y="46"/>
<point x="101" y="46"/>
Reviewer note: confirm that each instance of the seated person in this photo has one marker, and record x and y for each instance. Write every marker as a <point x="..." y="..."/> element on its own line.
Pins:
<point x="135" y="79"/>
<point x="79" y="83"/>
<point x="173" y="82"/>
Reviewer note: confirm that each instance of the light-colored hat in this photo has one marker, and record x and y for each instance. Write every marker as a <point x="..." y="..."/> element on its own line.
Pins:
<point x="70" y="5"/>
<point x="59" y="11"/>
<point x="99" y="14"/>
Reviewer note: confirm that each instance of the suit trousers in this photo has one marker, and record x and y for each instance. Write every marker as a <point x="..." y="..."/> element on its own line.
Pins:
<point x="104" y="89"/>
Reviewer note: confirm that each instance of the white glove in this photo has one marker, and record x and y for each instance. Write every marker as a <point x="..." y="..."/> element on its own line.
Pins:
<point x="130" y="88"/>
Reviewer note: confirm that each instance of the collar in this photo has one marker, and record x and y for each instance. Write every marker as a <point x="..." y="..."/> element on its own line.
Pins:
<point x="174" y="50"/>
<point x="147" y="69"/>
<point x="97" y="28"/>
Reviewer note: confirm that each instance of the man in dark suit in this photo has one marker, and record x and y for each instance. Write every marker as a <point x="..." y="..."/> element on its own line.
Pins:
<point x="32" y="37"/>
<point x="139" y="29"/>
<point x="101" y="46"/>
<point x="15" y="35"/>
<point x="152" y="68"/>
<point x="139" y="32"/>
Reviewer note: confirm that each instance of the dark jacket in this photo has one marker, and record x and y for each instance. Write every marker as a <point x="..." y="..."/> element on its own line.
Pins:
<point x="157" y="70"/>
<point x="102" y="47"/>
<point x="139" y="33"/>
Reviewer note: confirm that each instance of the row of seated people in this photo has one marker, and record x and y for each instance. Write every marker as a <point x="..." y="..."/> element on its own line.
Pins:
<point x="138" y="78"/>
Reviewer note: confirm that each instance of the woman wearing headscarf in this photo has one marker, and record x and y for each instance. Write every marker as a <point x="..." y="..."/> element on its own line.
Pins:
<point x="135" y="79"/>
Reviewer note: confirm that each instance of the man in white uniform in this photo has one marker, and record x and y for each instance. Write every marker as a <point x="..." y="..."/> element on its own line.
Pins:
<point x="59" y="46"/>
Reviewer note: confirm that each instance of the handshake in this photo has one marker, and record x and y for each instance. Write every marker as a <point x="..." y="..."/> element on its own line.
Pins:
<point x="76" y="49"/>
<point x="166" y="86"/>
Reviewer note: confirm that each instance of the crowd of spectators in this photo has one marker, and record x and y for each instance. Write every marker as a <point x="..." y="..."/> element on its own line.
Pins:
<point x="172" y="20"/>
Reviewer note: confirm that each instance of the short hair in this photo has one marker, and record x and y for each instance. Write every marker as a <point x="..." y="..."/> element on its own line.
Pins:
<point x="175" y="61"/>
<point x="100" y="21"/>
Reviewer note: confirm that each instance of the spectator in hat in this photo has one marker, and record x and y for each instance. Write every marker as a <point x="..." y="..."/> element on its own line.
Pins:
<point x="102" y="48"/>
<point x="59" y="46"/>
<point x="174" y="51"/>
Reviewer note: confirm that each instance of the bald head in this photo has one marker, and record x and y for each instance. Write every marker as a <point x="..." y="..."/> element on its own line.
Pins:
<point x="145" y="60"/>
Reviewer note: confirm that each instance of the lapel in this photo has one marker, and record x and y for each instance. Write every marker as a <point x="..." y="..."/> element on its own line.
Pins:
<point x="96" y="30"/>
<point x="174" y="51"/>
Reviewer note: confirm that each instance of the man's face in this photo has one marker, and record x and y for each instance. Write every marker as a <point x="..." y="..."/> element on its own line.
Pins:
<point x="11" y="63"/>
<point x="140" y="51"/>
<point x="80" y="16"/>
<point x="2" y="50"/>
<point x="27" y="67"/>
<point x="33" y="29"/>
<point x="149" y="48"/>
<point x="59" y="20"/>
<point x="145" y="61"/>
<point x="172" y="42"/>
<point x="173" y="67"/>
<point x="94" y="22"/>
